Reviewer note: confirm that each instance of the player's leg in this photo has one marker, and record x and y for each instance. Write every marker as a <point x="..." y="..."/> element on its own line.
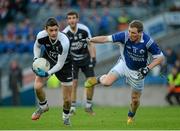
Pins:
<point x="74" y="96"/>
<point x="135" y="101"/>
<point x="66" y="103"/>
<point x="65" y="76"/>
<point x="89" y="100"/>
<point x="89" y="74"/>
<point x="43" y="105"/>
<point x="74" y="89"/>
<point x="107" y="79"/>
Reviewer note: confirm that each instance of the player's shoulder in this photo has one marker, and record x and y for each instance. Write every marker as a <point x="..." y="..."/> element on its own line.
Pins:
<point x="63" y="37"/>
<point x="146" y="37"/>
<point x="42" y="34"/>
<point x="66" y="29"/>
<point x="121" y="33"/>
<point x="82" y="26"/>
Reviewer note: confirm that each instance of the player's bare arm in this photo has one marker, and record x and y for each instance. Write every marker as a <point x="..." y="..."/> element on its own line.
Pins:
<point x="92" y="49"/>
<point x="100" y="39"/>
<point x="156" y="62"/>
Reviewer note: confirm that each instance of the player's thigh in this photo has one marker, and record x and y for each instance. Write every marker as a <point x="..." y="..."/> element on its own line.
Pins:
<point x="88" y="71"/>
<point x="119" y="68"/>
<point x="136" y="85"/>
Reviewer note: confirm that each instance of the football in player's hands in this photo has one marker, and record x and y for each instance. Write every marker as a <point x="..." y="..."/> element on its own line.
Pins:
<point x="40" y="67"/>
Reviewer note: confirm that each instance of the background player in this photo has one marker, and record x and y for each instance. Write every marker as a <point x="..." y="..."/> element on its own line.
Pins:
<point x="83" y="57"/>
<point x="135" y="46"/>
<point x="57" y="47"/>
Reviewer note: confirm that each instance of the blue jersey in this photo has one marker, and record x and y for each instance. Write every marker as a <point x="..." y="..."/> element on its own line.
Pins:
<point x="136" y="54"/>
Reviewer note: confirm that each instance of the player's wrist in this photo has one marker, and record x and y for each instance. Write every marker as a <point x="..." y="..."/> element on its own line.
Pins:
<point x="34" y="59"/>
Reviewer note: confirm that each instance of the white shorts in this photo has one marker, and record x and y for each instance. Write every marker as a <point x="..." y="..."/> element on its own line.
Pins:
<point x="120" y="69"/>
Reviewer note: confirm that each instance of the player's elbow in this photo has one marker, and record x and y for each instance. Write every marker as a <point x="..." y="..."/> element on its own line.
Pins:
<point x="161" y="59"/>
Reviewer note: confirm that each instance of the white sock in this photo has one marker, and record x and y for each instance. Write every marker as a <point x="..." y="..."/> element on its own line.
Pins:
<point x="73" y="108"/>
<point x="43" y="104"/>
<point x="88" y="103"/>
<point x="65" y="116"/>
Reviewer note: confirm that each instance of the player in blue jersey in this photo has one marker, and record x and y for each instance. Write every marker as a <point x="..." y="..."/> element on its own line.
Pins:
<point x="135" y="47"/>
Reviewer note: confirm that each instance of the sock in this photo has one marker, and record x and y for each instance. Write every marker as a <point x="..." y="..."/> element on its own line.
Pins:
<point x="65" y="114"/>
<point x="43" y="104"/>
<point x="131" y="114"/>
<point x="88" y="103"/>
<point x="65" y="111"/>
<point x="73" y="104"/>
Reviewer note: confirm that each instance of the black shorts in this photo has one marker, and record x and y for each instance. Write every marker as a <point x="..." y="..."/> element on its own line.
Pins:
<point x="65" y="74"/>
<point x="86" y="69"/>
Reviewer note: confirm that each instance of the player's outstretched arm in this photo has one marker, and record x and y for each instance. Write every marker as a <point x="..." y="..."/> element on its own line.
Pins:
<point x="100" y="39"/>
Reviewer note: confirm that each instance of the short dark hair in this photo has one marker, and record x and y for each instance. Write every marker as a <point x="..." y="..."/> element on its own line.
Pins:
<point x="51" y="22"/>
<point x="137" y="24"/>
<point x="72" y="13"/>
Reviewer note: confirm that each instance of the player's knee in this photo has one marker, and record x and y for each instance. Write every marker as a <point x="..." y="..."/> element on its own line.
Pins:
<point x="38" y="85"/>
<point x="105" y="81"/>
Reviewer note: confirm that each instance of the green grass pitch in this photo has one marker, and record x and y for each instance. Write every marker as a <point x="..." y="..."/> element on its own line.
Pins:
<point x="106" y="118"/>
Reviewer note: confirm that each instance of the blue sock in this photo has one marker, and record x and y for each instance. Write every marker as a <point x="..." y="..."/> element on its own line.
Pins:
<point x="131" y="114"/>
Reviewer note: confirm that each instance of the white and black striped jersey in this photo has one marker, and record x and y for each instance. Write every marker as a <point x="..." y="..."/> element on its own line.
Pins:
<point x="79" y="48"/>
<point x="57" y="52"/>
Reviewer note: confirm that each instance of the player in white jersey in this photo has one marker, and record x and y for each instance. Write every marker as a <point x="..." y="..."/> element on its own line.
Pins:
<point x="83" y="57"/>
<point x="135" y="47"/>
<point x="57" y="46"/>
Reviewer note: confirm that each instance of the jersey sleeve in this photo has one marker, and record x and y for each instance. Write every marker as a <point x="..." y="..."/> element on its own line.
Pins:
<point x="155" y="50"/>
<point x="119" y="37"/>
<point x="89" y="33"/>
<point x="37" y="47"/>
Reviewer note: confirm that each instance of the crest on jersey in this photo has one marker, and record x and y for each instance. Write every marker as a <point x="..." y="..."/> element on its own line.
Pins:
<point x="141" y="51"/>
<point x="75" y="37"/>
<point x="80" y="36"/>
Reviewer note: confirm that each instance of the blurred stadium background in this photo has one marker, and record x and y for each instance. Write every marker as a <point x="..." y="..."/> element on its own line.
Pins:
<point x="21" y="20"/>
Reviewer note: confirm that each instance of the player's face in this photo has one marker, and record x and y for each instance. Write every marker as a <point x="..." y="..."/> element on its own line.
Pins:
<point x="72" y="20"/>
<point x="134" y="35"/>
<point x="52" y="32"/>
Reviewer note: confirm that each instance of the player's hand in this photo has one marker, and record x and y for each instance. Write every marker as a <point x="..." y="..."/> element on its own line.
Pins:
<point x="34" y="59"/>
<point x="93" y="61"/>
<point x="143" y="72"/>
<point x="87" y="40"/>
<point x="41" y="73"/>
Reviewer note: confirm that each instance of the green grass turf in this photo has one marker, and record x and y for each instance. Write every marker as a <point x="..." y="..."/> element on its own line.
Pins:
<point x="109" y="118"/>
